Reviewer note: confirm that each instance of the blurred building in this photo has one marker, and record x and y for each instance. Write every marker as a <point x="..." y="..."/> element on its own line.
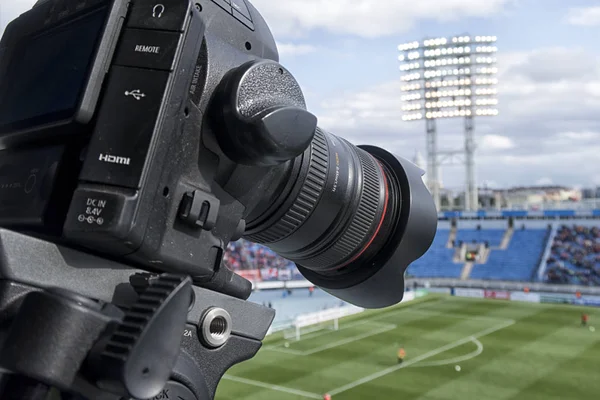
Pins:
<point x="590" y="193"/>
<point x="539" y="196"/>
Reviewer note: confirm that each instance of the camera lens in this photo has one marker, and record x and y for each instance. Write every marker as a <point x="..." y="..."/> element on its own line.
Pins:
<point x="335" y="208"/>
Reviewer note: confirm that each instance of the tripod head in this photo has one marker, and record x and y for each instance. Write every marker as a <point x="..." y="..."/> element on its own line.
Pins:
<point x="96" y="329"/>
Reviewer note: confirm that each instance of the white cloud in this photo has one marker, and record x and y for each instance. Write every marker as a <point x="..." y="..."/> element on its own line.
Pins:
<point x="367" y="18"/>
<point x="565" y="140"/>
<point x="544" y="182"/>
<point x="556" y="64"/>
<point x="292" y="49"/>
<point x="496" y="142"/>
<point x="584" y="16"/>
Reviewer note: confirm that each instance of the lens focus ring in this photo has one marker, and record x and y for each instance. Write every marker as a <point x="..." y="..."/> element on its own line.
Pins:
<point x="307" y="198"/>
<point x="366" y="218"/>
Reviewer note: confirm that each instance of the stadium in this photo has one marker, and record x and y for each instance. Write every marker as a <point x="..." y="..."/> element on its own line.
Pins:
<point x="501" y="306"/>
<point x="504" y="304"/>
<point x="493" y="310"/>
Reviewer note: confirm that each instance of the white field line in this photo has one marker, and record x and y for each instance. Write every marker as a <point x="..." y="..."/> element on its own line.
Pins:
<point x="317" y="334"/>
<point x="454" y="360"/>
<point x="422" y="357"/>
<point x="274" y="387"/>
<point x="277" y="347"/>
<point x="303" y="393"/>
<point x="384" y="328"/>
<point x="432" y="312"/>
<point x="461" y="316"/>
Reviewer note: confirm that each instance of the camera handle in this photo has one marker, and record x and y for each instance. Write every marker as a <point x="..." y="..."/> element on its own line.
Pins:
<point x="159" y="337"/>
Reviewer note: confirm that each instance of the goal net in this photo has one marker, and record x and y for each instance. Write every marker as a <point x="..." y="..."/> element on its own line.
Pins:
<point x="298" y="331"/>
<point x="322" y="321"/>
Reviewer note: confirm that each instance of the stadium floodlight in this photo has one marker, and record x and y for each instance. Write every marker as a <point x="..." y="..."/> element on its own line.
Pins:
<point x="450" y="77"/>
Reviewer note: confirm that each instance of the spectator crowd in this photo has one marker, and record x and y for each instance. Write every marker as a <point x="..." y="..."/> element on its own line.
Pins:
<point x="575" y="256"/>
<point x="243" y="255"/>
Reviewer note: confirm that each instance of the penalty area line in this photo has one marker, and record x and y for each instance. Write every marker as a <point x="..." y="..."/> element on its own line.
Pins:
<point x="417" y="359"/>
<point x="341" y="342"/>
<point x="269" y="386"/>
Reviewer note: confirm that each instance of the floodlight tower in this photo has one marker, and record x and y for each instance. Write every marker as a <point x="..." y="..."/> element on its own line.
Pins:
<point x="450" y="78"/>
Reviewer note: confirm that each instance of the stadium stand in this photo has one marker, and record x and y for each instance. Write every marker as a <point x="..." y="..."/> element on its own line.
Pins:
<point x="518" y="262"/>
<point x="491" y="236"/>
<point x="437" y="262"/>
<point x="256" y="262"/>
<point x="532" y="252"/>
<point x="244" y="255"/>
<point x="575" y="256"/>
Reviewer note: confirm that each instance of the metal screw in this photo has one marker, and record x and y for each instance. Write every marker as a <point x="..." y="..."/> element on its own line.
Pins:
<point x="215" y="328"/>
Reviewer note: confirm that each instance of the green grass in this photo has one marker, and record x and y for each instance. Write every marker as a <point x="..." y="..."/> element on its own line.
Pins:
<point x="506" y="350"/>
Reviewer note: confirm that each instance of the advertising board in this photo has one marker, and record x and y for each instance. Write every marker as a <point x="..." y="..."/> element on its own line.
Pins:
<point x="476" y="293"/>
<point x="556" y="298"/>
<point x="526" y="297"/>
<point x="251" y="275"/>
<point x="496" y="294"/>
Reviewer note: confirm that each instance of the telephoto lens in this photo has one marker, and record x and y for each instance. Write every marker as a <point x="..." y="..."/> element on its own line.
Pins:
<point x="351" y="218"/>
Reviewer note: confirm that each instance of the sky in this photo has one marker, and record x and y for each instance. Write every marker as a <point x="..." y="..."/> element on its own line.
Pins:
<point x="344" y="54"/>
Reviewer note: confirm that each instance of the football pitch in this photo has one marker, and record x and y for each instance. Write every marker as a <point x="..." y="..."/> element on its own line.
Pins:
<point x="456" y="348"/>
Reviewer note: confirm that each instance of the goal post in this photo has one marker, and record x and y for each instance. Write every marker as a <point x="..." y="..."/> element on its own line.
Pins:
<point x="298" y="331"/>
<point x="327" y="320"/>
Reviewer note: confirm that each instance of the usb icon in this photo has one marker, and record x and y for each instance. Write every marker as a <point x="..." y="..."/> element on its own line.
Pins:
<point x="136" y="94"/>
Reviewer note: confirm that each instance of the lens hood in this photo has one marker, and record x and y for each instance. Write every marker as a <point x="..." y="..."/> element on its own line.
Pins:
<point x="380" y="282"/>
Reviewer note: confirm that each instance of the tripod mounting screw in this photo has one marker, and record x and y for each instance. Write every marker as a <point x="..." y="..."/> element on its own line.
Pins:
<point x="215" y="327"/>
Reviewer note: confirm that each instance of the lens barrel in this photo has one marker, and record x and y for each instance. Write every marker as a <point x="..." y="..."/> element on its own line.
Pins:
<point x="340" y="214"/>
<point x="333" y="213"/>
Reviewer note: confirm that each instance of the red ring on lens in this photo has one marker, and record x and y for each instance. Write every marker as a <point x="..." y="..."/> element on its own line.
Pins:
<point x="383" y="214"/>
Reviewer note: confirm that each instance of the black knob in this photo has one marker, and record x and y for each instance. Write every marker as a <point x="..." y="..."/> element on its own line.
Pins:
<point x="261" y="118"/>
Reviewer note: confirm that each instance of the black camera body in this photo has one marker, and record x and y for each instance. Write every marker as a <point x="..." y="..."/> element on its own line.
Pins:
<point x="131" y="167"/>
<point x="137" y="139"/>
<point x="154" y="133"/>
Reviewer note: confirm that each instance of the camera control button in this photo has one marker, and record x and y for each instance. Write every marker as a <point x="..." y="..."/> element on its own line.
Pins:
<point x="166" y="15"/>
<point x="148" y="49"/>
<point x="126" y="122"/>
<point x="30" y="184"/>
<point x="199" y="209"/>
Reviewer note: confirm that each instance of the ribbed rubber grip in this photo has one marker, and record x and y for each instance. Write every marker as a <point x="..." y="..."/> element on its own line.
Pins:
<point x="363" y="222"/>
<point x="128" y="333"/>
<point x="306" y="201"/>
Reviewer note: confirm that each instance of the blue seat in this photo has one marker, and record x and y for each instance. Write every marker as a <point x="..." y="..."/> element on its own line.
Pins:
<point x="492" y="236"/>
<point x="518" y="261"/>
<point x="437" y="262"/>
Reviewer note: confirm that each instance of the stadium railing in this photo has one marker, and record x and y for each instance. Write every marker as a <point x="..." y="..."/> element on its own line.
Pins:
<point x="444" y="282"/>
<point x="540" y="274"/>
<point x="549" y="214"/>
<point x="504" y="285"/>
